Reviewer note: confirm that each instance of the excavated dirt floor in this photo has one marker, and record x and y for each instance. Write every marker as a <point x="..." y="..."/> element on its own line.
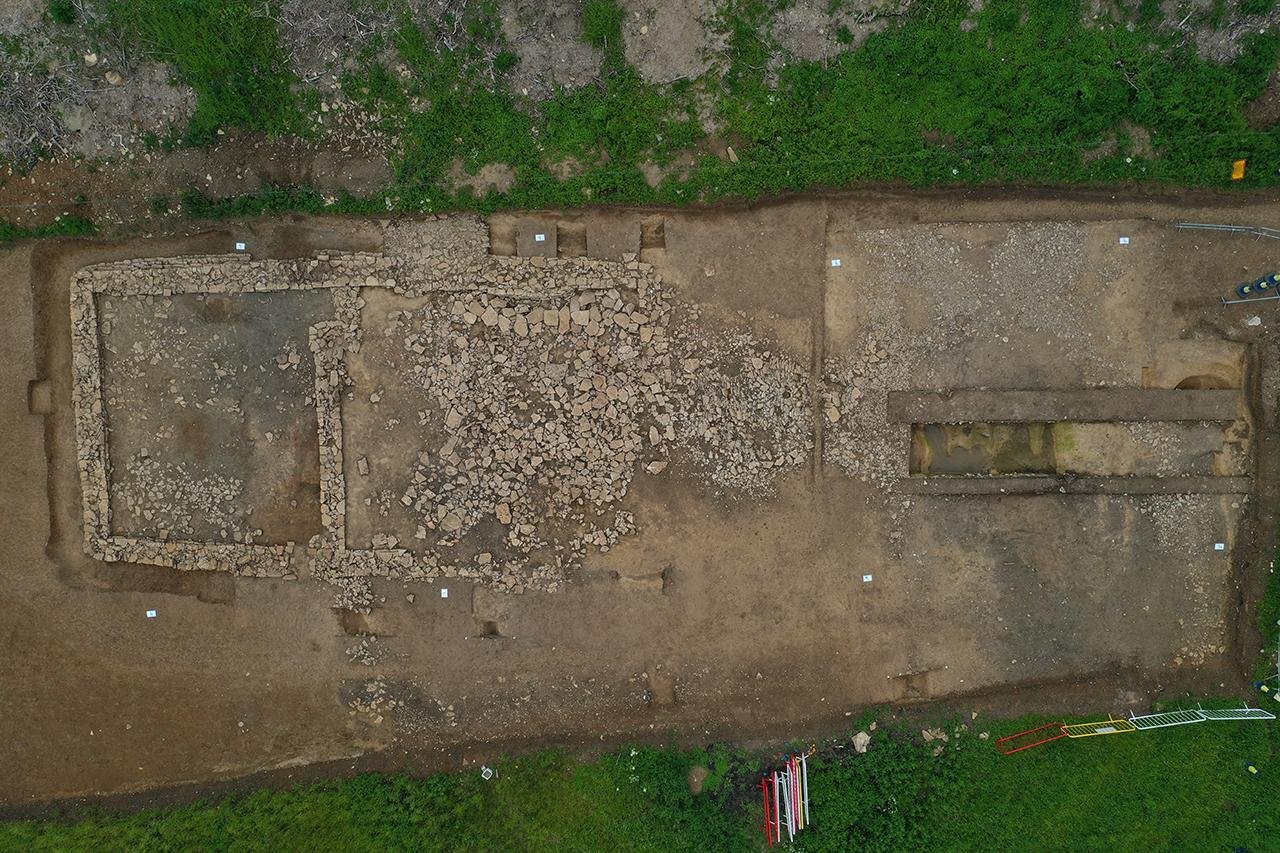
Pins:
<point x="656" y="459"/>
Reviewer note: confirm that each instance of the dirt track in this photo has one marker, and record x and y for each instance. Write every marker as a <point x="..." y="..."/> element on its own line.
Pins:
<point x="726" y="612"/>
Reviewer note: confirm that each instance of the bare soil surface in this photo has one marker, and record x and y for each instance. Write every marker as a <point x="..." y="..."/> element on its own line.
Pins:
<point x="673" y="40"/>
<point x="212" y="432"/>
<point x="548" y="39"/>
<point x="773" y="577"/>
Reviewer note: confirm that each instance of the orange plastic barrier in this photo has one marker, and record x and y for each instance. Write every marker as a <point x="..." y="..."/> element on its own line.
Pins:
<point x="1038" y="736"/>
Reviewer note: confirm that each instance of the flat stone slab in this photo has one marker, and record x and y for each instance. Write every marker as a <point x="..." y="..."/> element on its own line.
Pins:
<point x="995" y="486"/>
<point x="611" y="240"/>
<point x="536" y="238"/>
<point x="1092" y="404"/>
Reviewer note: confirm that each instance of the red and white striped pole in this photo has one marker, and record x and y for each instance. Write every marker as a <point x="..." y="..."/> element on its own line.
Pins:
<point x="777" y="802"/>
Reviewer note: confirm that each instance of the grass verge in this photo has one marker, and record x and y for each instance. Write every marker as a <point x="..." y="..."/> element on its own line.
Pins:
<point x="1020" y="91"/>
<point x="1181" y="788"/>
<point x="64" y="226"/>
<point x="1023" y="92"/>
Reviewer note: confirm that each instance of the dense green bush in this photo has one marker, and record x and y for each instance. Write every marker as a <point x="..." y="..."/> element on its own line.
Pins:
<point x="62" y="12"/>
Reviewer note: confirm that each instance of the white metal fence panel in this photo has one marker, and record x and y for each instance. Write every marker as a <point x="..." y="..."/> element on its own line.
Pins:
<point x="1245" y="713"/>
<point x="1168" y="718"/>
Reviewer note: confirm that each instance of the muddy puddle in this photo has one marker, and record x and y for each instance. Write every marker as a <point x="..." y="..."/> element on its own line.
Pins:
<point x="985" y="449"/>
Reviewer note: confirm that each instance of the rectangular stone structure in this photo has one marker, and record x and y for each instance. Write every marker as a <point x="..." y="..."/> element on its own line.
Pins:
<point x="528" y="230"/>
<point x="1084" y="405"/>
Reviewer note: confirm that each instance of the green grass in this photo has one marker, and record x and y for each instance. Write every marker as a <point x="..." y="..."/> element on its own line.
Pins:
<point x="1174" y="789"/>
<point x="602" y="29"/>
<point x="1171" y="789"/>
<point x="269" y="200"/>
<point x="608" y="129"/>
<point x="1019" y="99"/>
<point x="1269" y="628"/>
<point x="542" y="802"/>
<point x="62" y="12"/>
<point x="63" y="226"/>
<point x="228" y="52"/>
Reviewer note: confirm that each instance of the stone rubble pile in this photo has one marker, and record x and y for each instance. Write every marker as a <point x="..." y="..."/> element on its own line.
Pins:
<point x="548" y="406"/>
<point x="859" y="437"/>
<point x="367" y="652"/>
<point x="551" y="382"/>
<point x="742" y="410"/>
<point x="374" y="701"/>
<point x="169" y="496"/>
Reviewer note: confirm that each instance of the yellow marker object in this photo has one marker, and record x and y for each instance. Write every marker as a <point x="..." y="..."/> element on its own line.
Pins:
<point x="1237" y="170"/>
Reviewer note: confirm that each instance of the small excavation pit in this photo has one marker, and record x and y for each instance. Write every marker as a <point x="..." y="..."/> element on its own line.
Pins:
<point x="1158" y="448"/>
<point x="991" y="449"/>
